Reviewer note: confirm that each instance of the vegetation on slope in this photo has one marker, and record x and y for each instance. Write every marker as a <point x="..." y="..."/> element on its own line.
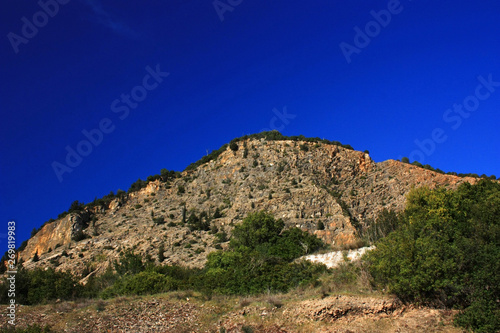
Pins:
<point x="442" y="250"/>
<point x="445" y="251"/>
<point x="428" y="167"/>
<point x="260" y="259"/>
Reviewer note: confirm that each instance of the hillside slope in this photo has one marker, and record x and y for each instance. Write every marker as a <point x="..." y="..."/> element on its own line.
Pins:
<point x="302" y="182"/>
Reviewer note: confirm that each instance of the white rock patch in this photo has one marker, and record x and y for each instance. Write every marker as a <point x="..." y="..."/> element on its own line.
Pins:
<point x="333" y="259"/>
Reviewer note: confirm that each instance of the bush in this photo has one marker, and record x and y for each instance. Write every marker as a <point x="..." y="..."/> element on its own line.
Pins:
<point x="387" y="221"/>
<point x="159" y="220"/>
<point x="257" y="228"/>
<point x="221" y="237"/>
<point x="137" y="185"/>
<point x="260" y="258"/>
<point x="147" y="282"/>
<point x="181" y="189"/>
<point x="201" y="222"/>
<point x="161" y="255"/>
<point x="446" y="252"/>
<point x="129" y="263"/>
<point x="294" y="243"/>
<point x="39" y="286"/>
<point x="320" y="226"/>
<point x="233" y="146"/>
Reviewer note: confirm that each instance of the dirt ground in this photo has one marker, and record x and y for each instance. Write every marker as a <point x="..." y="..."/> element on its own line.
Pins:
<point x="189" y="312"/>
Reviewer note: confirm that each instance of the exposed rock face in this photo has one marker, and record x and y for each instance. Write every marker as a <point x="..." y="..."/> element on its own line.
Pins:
<point x="325" y="183"/>
<point x="336" y="307"/>
<point x="56" y="234"/>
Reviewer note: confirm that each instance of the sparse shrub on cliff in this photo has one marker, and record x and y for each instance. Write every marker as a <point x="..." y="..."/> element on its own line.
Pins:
<point x="201" y="222"/>
<point x="159" y="220"/>
<point x="233" y="146"/>
<point x="212" y="156"/>
<point x="221" y="237"/>
<point x="181" y="190"/>
<point x="137" y="185"/>
<point x="76" y="206"/>
<point x="217" y="213"/>
<point x="320" y="226"/>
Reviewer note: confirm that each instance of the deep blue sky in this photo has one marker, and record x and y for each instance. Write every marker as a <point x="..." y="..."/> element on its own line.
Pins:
<point x="226" y="77"/>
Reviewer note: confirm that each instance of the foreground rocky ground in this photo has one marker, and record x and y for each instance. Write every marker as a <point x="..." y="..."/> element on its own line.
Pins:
<point x="187" y="312"/>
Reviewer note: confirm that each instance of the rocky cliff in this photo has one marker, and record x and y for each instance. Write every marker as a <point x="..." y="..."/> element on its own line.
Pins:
<point x="305" y="183"/>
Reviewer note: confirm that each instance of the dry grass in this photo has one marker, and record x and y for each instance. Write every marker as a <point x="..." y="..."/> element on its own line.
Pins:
<point x="246" y="301"/>
<point x="359" y="243"/>
<point x="351" y="278"/>
<point x="275" y="301"/>
<point x="264" y="312"/>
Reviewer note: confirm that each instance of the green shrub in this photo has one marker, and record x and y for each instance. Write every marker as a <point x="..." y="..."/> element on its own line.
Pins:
<point x="161" y="255"/>
<point x="181" y="189"/>
<point x="387" y="221"/>
<point x="233" y="146"/>
<point x="482" y="316"/>
<point x="159" y="220"/>
<point x="260" y="258"/>
<point x="221" y="237"/>
<point x="40" y="286"/>
<point x="201" y="222"/>
<point x="446" y="251"/>
<point x="293" y="243"/>
<point x="139" y="184"/>
<point x="129" y="263"/>
<point x="320" y="226"/>
<point x="257" y="228"/>
<point x="247" y="329"/>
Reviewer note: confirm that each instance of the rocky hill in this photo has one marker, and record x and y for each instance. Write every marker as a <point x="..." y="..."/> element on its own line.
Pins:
<point x="322" y="187"/>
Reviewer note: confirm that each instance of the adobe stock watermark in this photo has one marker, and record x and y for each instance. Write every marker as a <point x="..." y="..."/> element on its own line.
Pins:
<point x="225" y="6"/>
<point x="280" y="120"/>
<point x="455" y="116"/>
<point x="11" y="272"/>
<point x="120" y="106"/>
<point x="29" y="28"/>
<point x="372" y="29"/>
